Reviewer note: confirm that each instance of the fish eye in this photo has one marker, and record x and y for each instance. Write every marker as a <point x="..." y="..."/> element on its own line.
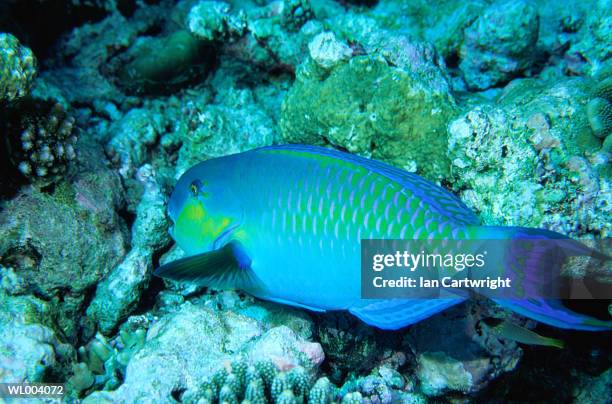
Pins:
<point x="195" y="187"/>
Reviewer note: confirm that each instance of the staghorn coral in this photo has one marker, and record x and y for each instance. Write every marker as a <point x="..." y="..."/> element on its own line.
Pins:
<point x="17" y="68"/>
<point x="41" y="140"/>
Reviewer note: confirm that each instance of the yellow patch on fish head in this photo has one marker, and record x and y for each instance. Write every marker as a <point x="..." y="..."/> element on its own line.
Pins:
<point x="196" y="227"/>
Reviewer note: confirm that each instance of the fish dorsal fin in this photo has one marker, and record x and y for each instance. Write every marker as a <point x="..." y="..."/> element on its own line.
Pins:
<point x="442" y="201"/>
<point x="227" y="268"/>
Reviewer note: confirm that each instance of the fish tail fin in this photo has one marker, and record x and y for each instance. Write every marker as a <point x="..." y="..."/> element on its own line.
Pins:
<point x="533" y="258"/>
<point x="535" y="268"/>
<point x="569" y="247"/>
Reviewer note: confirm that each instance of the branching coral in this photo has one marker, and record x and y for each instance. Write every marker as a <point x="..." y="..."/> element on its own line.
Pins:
<point x="295" y="13"/>
<point x="41" y="139"/>
<point x="263" y="382"/>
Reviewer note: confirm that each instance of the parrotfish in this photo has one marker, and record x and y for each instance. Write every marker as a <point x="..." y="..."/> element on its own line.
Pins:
<point x="284" y="223"/>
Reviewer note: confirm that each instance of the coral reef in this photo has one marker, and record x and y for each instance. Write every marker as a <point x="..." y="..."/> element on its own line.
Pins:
<point x="61" y="244"/>
<point x="595" y="390"/>
<point x="102" y="363"/>
<point x="349" y="345"/>
<point x="17" y="68"/>
<point x="442" y="368"/>
<point x="499" y="44"/>
<point x="120" y="291"/>
<point x="505" y="103"/>
<point x="385" y="112"/>
<point x="536" y="144"/>
<point x="212" y="21"/>
<point x="591" y="46"/>
<point x="175" y="358"/>
<point x="327" y="52"/>
<point x="133" y="135"/>
<point x="599" y="109"/>
<point x="211" y="129"/>
<point x="159" y="63"/>
<point x="276" y="35"/>
<point x="29" y="348"/>
<point x="258" y="382"/>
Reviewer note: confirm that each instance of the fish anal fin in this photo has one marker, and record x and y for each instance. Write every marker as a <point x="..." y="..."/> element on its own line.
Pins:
<point x="394" y="314"/>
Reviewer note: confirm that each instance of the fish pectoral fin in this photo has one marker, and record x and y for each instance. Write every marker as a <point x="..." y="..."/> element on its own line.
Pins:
<point x="226" y="267"/>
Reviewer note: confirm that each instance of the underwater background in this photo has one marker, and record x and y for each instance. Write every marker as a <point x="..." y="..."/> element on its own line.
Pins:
<point x="105" y="103"/>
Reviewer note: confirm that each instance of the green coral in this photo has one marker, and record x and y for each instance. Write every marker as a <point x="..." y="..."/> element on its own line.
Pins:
<point x="107" y="360"/>
<point x="599" y="109"/>
<point x="370" y="108"/>
<point x="323" y="392"/>
<point x="286" y="397"/>
<point x="254" y="393"/>
<point x="352" y="398"/>
<point x="262" y="382"/>
<point x="17" y="68"/>
<point x="279" y="385"/>
<point x="599" y="112"/>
